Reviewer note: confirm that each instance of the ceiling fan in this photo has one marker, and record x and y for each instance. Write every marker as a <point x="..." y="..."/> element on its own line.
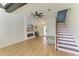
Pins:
<point x="37" y="15"/>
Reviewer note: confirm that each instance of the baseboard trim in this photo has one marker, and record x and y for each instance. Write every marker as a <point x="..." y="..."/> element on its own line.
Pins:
<point x="6" y="45"/>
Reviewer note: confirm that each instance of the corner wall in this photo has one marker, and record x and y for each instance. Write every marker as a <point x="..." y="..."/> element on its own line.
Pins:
<point x="11" y="28"/>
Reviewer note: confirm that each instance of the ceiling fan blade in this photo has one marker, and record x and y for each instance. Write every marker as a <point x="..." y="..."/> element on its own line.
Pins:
<point x="40" y="13"/>
<point x="36" y="13"/>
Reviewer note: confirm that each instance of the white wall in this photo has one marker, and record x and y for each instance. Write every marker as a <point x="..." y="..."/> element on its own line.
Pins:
<point x="11" y="28"/>
<point x="51" y="27"/>
<point x="73" y="21"/>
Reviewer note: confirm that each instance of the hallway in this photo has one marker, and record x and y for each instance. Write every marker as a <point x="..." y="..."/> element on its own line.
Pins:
<point x="65" y="39"/>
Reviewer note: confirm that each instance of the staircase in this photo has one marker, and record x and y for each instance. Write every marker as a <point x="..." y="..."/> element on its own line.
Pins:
<point x="65" y="39"/>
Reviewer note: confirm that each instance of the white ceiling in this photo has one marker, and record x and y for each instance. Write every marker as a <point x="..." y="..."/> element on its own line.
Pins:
<point x="54" y="6"/>
<point x="44" y="6"/>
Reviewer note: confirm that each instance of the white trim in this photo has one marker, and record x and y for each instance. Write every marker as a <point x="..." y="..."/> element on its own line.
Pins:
<point x="66" y="42"/>
<point x="75" y="53"/>
<point x="62" y="35"/>
<point x="66" y="39"/>
<point x="72" y="47"/>
<point x="6" y="45"/>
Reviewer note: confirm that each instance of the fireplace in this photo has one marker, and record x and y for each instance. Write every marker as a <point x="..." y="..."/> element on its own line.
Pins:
<point x="30" y="34"/>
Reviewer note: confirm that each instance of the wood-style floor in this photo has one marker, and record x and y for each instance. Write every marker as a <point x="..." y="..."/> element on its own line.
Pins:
<point x="33" y="47"/>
